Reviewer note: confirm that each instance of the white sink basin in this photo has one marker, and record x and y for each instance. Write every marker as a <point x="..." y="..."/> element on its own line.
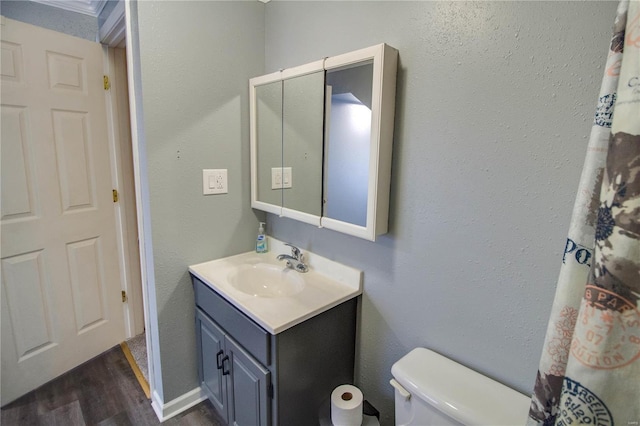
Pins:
<point x="266" y="280"/>
<point x="276" y="297"/>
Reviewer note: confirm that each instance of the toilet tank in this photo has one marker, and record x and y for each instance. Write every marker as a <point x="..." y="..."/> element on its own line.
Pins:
<point x="433" y="390"/>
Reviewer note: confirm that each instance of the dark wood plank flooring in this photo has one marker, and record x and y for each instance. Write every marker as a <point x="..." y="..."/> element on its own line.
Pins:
<point x="103" y="391"/>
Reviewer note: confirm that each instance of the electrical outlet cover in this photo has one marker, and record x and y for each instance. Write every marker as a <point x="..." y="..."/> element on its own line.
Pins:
<point x="214" y="181"/>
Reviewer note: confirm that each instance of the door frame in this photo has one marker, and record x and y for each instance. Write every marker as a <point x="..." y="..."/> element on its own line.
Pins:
<point x="122" y="178"/>
<point x="116" y="32"/>
<point x="142" y="204"/>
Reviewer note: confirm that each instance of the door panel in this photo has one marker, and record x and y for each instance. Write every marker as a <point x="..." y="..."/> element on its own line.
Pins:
<point x="74" y="160"/>
<point x="66" y="72"/>
<point x="211" y="338"/>
<point x="18" y="192"/>
<point x="12" y="62"/>
<point x="28" y="299"/>
<point x="87" y="283"/>
<point x="61" y="302"/>
<point x="249" y="401"/>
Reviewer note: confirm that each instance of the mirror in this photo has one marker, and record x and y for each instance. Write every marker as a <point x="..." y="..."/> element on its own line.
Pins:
<point x="268" y="116"/>
<point x="347" y="148"/>
<point x="302" y="123"/>
<point x="332" y="139"/>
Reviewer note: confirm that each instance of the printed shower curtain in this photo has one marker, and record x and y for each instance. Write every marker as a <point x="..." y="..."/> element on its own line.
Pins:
<point x="590" y="367"/>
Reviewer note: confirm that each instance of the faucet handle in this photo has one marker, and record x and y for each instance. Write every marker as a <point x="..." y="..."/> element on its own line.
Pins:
<point x="295" y="251"/>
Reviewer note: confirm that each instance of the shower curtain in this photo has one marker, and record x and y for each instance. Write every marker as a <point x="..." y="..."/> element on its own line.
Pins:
<point x="590" y="366"/>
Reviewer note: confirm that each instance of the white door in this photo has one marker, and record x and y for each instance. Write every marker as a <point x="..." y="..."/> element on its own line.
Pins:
<point x="61" y="300"/>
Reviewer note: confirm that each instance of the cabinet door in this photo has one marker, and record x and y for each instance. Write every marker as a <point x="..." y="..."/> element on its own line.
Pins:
<point x="247" y="387"/>
<point x="210" y="341"/>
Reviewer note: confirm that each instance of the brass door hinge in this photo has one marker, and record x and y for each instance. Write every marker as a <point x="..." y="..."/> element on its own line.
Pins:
<point x="124" y="296"/>
<point x="115" y="196"/>
<point x="107" y="83"/>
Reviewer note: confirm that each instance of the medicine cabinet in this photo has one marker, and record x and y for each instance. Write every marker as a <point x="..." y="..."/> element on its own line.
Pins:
<point x="321" y="139"/>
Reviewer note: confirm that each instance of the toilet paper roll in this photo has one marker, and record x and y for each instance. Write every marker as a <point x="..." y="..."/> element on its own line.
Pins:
<point x="346" y="406"/>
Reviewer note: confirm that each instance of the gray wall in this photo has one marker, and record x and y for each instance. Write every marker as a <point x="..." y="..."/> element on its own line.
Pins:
<point x="72" y="23"/>
<point x="196" y="59"/>
<point x="494" y="104"/>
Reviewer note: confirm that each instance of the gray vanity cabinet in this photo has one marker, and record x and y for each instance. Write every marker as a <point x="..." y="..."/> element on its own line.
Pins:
<point x="236" y="384"/>
<point x="253" y="377"/>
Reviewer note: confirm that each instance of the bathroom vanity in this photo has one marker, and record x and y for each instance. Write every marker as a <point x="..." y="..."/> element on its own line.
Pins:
<point x="271" y="354"/>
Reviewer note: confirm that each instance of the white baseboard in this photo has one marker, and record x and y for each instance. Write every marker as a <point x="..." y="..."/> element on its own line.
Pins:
<point x="176" y="406"/>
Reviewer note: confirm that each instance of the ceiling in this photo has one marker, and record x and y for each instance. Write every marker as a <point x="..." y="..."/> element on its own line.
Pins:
<point x="87" y="7"/>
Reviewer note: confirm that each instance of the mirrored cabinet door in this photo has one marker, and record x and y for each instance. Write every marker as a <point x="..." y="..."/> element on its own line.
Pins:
<point x="266" y="139"/>
<point x="359" y="138"/>
<point x="348" y="140"/>
<point x="303" y="119"/>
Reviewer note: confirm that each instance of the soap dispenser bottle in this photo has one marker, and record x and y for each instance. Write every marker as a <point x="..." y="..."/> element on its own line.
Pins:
<point x="261" y="241"/>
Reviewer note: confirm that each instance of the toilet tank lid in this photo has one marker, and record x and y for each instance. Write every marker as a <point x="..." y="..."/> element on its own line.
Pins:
<point x="458" y="391"/>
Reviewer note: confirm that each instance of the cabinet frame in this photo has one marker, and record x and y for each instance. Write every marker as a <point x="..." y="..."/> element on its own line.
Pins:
<point x="385" y="62"/>
<point x="253" y="136"/>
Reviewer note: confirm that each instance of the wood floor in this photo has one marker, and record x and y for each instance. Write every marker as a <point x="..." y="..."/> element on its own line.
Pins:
<point x="102" y="391"/>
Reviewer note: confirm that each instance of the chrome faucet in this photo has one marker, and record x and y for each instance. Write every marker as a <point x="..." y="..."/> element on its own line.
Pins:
<point x="295" y="261"/>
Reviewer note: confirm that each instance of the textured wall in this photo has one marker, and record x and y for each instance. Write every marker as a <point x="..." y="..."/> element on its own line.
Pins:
<point x="72" y="23"/>
<point x="196" y="60"/>
<point x="494" y="104"/>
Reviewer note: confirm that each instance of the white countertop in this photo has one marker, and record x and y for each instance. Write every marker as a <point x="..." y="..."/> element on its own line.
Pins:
<point x="328" y="283"/>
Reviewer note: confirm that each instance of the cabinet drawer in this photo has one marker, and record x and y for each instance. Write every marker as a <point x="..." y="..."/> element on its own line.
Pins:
<point x="246" y="332"/>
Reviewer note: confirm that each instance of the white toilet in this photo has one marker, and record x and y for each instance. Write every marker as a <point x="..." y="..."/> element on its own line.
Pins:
<point x="433" y="390"/>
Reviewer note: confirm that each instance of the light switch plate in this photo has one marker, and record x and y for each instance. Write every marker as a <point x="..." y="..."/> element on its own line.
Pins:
<point x="214" y="181"/>
<point x="287" y="177"/>
<point x="281" y="177"/>
<point x="276" y="177"/>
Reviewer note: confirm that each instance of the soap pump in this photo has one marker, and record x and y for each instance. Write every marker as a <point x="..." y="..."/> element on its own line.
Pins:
<point x="261" y="241"/>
